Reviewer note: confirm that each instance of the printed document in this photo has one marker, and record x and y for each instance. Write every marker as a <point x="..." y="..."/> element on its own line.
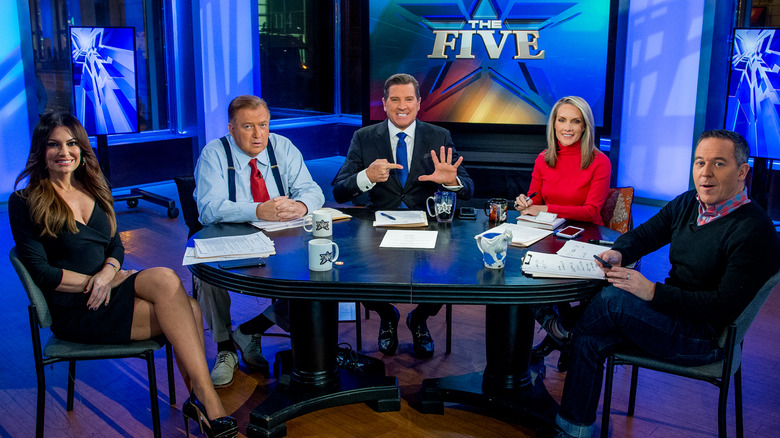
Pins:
<point x="409" y="239"/>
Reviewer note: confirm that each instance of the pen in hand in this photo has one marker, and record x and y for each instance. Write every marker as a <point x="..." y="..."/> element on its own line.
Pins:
<point x="528" y="198"/>
<point x="387" y="216"/>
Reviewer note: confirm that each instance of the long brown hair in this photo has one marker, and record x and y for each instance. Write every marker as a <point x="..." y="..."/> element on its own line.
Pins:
<point x="47" y="209"/>
<point x="588" y="149"/>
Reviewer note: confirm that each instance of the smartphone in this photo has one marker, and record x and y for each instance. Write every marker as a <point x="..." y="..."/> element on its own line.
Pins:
<point x="241" y="263"/>
<point x="569" y="232"/>
<point x="468" y="213"/>
<point x="605" y="263"/>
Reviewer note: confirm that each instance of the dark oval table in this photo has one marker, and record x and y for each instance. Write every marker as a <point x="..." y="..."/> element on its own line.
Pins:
<point x="452" y="272"/>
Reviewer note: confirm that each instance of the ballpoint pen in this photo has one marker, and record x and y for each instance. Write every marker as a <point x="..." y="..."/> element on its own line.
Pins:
<point x="387" y="216"/>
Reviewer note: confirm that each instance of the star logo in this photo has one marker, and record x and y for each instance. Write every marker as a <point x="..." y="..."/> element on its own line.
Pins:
<point x="323" y="225"/>
<point x="326" y="257"/>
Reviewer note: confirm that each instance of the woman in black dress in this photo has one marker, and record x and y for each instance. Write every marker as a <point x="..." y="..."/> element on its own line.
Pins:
<point x="66" y="235"/>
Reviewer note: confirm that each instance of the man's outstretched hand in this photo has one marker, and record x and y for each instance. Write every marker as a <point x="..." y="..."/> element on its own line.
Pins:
<point x="444" y="173"/>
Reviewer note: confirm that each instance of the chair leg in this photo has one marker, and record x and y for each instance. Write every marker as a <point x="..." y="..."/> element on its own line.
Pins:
<point x="607" y="405"/>
<point x="448" y="317"/>
<point x="41" y="402"/>
<point x="358" y="328"/>
<point x="171" y="379"/>
<point x="632" y="392"/>
<point x="149" y="356"/>
<point x="71" y="384"/>
<point x="738" y="401"/>
<point x="723" y="399"/>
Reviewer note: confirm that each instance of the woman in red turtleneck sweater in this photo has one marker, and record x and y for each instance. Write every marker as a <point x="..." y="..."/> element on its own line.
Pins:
<point x="571" y="177"/>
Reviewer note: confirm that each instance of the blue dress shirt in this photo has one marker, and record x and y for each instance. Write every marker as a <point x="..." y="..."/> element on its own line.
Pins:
<point x="211" y="192"/>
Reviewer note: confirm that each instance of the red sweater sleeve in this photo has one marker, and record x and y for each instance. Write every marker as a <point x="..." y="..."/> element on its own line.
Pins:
<point x="571" y="192"/>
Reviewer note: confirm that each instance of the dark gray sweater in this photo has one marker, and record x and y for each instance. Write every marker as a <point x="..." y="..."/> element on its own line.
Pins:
<point x="717" y="268"/>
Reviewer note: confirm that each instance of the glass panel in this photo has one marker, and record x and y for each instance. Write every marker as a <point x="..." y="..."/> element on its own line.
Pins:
<point x="49" y="22"/>
<point x="296" y="56"/>
<point x="351" y="64"/>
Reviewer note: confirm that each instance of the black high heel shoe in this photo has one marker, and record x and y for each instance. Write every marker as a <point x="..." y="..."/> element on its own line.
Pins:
<point x="222" y="427"/>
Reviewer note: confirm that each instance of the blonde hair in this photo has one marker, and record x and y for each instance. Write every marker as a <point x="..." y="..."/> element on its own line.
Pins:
<point x="587" y="142"/>
<point x="47" y="208"/>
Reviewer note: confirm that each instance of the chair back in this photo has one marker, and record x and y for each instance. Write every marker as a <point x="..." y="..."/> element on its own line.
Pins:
<point x="34" y="293"/>
<point x="189" y="207"/>
<point x="745" y="319"/>
<point x="616" y="212"/>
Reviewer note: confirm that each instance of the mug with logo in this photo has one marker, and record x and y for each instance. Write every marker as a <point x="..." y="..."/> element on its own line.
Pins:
<point x="322" y="254"/>
<point x="495" y="209"/>
<point x="443" y="206"/>
<point x="319" y="223"/>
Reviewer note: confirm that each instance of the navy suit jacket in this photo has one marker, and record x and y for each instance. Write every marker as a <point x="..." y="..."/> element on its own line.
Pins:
<point x="372" y="143"/>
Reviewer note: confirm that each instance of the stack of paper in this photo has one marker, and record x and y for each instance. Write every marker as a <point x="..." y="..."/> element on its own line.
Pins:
<point x="404" y="218"/>
<point x="544" y="220"/>
<point x="277" y="225"/>
<point x="229" y="248"/>
<point x="558" y="266"/>
<point x="521" y="236"/>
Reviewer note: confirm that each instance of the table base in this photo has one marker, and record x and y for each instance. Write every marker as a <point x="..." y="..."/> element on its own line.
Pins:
<point x="289" y="399"/>
<point x="535" y="406"/>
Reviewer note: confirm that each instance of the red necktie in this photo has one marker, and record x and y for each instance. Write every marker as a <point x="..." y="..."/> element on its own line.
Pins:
<point x="257" y="183"/>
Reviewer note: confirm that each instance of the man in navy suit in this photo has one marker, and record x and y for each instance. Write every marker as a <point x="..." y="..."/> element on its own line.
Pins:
<point x="396" y="163"/>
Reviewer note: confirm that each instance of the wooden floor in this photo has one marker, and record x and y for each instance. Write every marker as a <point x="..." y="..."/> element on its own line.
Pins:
<point x="112" y="396"/>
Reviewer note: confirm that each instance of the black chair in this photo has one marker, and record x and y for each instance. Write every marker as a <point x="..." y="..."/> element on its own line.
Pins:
<point x="718" y="373"/>
<point x="57" y="350"/>
<point x="185" y="185"/>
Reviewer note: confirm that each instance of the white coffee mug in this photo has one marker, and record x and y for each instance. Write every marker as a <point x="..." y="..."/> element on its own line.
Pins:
<point x="319" y="223"/>
<point x="322" y="254"/>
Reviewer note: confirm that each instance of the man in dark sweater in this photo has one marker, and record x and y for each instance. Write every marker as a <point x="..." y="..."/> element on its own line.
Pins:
<point x="723" y="248"/>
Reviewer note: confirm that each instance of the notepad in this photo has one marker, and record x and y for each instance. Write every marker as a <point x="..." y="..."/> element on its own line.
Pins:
<point x="544" y="220"/>
<point x="521" y="236"/>
<point x="400" y="218"/>
<point x="539" y="264"/>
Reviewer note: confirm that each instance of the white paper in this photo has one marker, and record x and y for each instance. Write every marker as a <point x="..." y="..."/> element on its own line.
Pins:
<point x="552" y="265"/>
<point x="522" y="236"/>
<point x="283" y="225"/>
<point x="190" y="259"/>
<point x="580" y="250"/>
<point x="399" y="218"/>
<point x="409" y="239"/>
<point x="277" y="225"/>
<point x="533" y="221"/>
<point x="245" y="245"/>
<point x="546" y="217"/>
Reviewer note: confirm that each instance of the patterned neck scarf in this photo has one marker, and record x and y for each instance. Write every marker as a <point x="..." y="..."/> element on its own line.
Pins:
<point x="717" y="211"/>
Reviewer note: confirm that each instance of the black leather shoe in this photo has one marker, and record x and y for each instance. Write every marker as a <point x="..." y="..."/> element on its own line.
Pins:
<point x="388" y="334"/>
<point x="423" y="342"/>
<point x="563" y="359"/>
<point x="547" y="346"/>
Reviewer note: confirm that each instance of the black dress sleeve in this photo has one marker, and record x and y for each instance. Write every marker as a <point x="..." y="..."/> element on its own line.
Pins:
<point x="30" y="246"/>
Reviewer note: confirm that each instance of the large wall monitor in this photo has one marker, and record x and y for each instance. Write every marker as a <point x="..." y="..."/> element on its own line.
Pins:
<point x="493" y="62"/>
<point x="104" y="79"/>
<point x="753" y="105"/>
